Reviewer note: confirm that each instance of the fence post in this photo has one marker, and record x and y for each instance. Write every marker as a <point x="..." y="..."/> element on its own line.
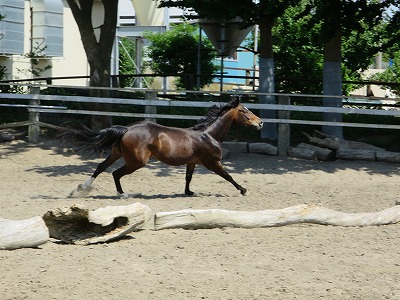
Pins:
<point x="34" y="129"/>
<point x="149" y="109"/>
<point x="283" y="128"/>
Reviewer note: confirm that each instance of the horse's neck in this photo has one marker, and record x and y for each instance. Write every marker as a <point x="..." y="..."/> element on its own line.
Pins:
<point x="219" y="129"/>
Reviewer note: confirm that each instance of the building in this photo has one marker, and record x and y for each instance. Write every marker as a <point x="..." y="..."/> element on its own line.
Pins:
<point x="47" y="31"/>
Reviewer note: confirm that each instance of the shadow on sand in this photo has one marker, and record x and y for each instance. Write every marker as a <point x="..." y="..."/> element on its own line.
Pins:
<point x="235" y="163"/>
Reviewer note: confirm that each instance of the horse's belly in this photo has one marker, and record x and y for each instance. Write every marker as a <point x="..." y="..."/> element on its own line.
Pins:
<point x="175" y="154"/>
<point x="176" y="159"/>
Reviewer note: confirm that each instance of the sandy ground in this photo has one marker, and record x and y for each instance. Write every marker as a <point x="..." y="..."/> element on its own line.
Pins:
<point x="291" y="262"/>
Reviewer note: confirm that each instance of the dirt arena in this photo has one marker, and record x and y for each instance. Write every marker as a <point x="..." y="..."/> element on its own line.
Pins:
<point x="290" y="262"/>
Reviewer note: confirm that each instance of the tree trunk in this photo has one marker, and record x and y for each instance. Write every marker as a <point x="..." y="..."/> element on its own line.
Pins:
<point x="332" y="73"/>
<point x="304" y="213"/>
<point x="302" y="153"/>
<point x="99" y="77"/>
<point x="266" y="75"/>
<point x="388" y="156"/>
<point x="328" y="141"/>
<point x="78" y="225"/>
<point x="98" y="48"/>
<point x="322" y="153"/>
<point x="15" y="234"/>
<point x="356" y="154"/>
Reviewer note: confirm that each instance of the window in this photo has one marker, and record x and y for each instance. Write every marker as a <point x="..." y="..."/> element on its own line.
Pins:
<point x="47" y="27"/>
<point x="12" y="27"/>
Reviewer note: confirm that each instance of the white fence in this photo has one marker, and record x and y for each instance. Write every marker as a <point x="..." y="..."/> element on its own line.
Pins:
<point x="36" y="106"/>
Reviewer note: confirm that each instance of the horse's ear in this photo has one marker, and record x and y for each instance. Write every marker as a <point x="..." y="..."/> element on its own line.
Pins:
<point x="235" y="101"/>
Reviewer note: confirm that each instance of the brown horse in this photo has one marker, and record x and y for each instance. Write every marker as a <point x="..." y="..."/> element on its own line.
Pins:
<point x="201" y="144"/>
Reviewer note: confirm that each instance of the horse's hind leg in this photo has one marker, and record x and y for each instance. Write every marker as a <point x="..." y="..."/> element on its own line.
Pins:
<point x="85" y="187"/>
<point x="124" y="170"/>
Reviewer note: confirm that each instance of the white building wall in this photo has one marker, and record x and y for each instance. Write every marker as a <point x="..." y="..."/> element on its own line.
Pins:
<point x="72" y="63"/>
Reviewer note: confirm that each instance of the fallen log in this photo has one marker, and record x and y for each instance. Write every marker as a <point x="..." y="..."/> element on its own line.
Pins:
<point x="388" y="156"/>
<point x="316" y="214"/>
<point x="327" y="141"/>
<point x="356" y="154"/>
<point x="27" y="233"/>
<point x="302" y="153"/>
<point x="321" y="153"/>
<point x="78" y="225"/>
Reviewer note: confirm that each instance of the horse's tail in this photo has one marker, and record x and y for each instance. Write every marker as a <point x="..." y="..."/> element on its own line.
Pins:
<point x="98" y="141"/>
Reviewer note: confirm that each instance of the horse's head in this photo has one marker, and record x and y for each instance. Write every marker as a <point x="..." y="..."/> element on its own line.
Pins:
<point x="243" y="116"/>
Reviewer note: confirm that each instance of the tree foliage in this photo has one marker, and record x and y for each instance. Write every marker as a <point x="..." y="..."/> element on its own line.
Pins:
<point x="126" y="63"/>
<point x="252" y="12"/>
<point x="176" y="51"/>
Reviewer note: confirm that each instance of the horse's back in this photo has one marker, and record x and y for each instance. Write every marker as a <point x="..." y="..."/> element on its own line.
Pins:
<point x="171" y="145"/>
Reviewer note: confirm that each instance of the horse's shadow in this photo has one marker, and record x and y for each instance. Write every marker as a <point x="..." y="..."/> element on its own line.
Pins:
<point x="138" y="196"/>
<point x="237" y="163"/>
<point x="133" y="196"/>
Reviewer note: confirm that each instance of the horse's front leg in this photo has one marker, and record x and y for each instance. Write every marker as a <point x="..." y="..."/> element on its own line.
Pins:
<point x="189" y="174"/>
<point x="217" y="168"/>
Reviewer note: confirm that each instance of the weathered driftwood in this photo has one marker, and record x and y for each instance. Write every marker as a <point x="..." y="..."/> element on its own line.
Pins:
<point x="15" y="234"/>
<point x="325" y="142"/>
<point x="331" y="142"/>
<point x="263" y="148"/>
<point x="316" y="214"/>
<point x="302" y="153"/>
<point x="388" y="156"/>
<point x="321" y="153"/>
<point x="356" y="154"/>
<point x="78" y="225"/>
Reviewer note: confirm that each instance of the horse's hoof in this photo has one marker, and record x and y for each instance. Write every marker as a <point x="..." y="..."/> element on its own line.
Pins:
<point x="80" y="191"/>
<point x="189" y="193"/>
<point x="123" y="195"/>
<point x="244" y="192"/>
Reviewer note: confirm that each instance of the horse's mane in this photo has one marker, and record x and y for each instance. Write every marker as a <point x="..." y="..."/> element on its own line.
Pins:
<point x="213" y="113"/>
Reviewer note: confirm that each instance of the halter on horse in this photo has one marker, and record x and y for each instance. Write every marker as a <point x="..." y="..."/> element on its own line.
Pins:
<point x="201" y="144"/>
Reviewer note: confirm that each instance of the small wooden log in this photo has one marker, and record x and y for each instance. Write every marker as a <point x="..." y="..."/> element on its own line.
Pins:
<point x="302" y="153"/>
<point x="27" y="233"/>
<point x="321" y="153"/>
<point x="78" y="225"/>
<point x="263" y="148"/>
<point x="388" y="156"/>
<point x="355" y="154"/>
<point x="315" y="214"/>
<point x="334" y="143"/>
<point x="325" y="142"/>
